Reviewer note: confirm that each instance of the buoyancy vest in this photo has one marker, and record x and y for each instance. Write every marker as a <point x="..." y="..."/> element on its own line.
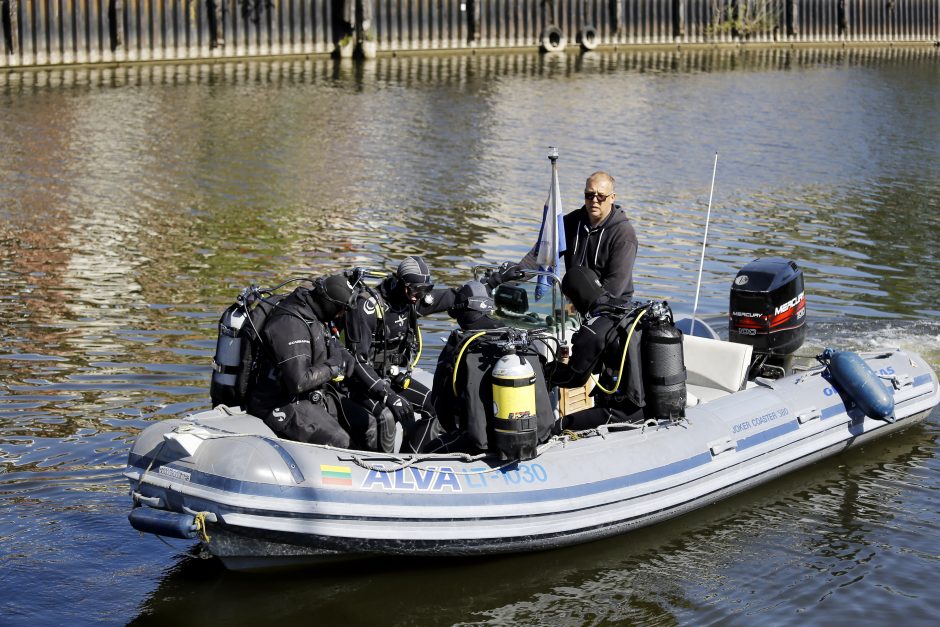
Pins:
<point x="395" y="338"/>
<point x="470" y="410"/>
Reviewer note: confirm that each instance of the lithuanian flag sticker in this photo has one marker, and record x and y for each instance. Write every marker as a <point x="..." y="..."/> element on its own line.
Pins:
<point x="335" y="475"/>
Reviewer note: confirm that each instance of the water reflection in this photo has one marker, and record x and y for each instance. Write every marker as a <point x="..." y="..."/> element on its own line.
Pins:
<point x="462" y="69"/>
<point x="136" y="202"/>
<point x="444" y="156"/>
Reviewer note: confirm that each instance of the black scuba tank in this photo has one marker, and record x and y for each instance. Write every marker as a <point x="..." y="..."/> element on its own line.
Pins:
<point x="663" y="364"/>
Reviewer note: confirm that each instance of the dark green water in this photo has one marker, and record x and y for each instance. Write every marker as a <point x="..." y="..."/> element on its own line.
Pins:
<point x="135" y="203"/>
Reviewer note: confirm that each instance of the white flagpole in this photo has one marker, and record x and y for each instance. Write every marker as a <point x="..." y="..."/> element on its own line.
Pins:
<point x="555" y="202"/>
<point x="701" y="262"/>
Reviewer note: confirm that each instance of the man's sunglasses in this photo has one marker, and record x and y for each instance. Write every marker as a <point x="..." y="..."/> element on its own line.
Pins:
<point x="592" y="195"/>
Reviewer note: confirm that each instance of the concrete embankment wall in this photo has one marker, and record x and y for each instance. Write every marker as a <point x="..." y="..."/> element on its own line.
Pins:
<point x="75" y="32"/>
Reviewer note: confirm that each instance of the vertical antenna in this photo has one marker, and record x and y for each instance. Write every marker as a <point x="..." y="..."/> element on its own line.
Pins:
<point x="701" y="262"/>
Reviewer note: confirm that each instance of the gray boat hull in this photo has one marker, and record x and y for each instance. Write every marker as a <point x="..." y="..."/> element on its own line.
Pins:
<point x="269" y="502"/>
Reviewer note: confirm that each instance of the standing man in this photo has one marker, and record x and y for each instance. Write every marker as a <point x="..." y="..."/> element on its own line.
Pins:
<point x="599" y="237"/>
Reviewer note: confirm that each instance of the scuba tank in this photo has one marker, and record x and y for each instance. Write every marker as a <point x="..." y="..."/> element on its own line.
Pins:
<point x="228" y="355"/>
<point x="663" y="364"/>
<point x="515" y="435"/>
<point x="239" y="347"/>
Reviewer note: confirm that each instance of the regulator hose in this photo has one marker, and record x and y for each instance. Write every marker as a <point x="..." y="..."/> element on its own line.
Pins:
<point x="623" y="359"/>
<point x="420" y="348"/>
<point x="453" y="383"/>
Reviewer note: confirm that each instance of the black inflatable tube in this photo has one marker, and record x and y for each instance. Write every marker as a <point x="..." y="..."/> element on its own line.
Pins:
<point x="163" y="523"/>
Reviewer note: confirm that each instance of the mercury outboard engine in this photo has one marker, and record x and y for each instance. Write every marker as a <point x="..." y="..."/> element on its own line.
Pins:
<point x="768" y="311"/>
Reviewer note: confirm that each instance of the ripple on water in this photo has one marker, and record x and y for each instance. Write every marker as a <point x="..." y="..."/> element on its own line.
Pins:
<point x="127" y="227"/>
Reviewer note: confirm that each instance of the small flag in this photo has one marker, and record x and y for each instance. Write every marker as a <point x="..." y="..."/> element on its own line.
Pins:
<point x="551" y="241"/>
<point x="336" y="475"/>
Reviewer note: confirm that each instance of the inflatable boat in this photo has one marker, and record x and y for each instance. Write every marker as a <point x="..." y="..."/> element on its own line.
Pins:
<point x="256" y="501"/>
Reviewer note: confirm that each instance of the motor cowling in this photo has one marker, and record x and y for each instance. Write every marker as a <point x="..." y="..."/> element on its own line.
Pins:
<point x="515" y="434"/>
<point x="664" y="371"/>
<point x="768" y="309"/>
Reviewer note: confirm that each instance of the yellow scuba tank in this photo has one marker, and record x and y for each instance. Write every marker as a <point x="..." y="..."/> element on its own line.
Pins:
<point x="514" y="425"/>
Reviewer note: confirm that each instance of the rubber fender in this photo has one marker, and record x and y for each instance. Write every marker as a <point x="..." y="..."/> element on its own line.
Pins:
<point x="552" y="39"/>
<point x="857" y="381"/>
<point x="163" y="523"/>
<point x="587" y="37"/>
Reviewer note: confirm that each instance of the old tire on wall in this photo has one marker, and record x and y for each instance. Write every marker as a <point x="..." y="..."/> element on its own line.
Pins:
<point x="552" y="39"/>
<point x="587" y="37"/>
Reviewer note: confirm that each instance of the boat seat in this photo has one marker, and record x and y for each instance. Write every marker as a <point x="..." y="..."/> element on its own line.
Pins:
<point x="714" y="368"/>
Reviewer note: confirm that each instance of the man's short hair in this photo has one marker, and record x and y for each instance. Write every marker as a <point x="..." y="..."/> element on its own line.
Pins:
<point x="602" y="174"/>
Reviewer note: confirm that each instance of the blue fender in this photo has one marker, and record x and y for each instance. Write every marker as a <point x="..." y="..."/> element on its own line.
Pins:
<point x="163" y="523"/>
<point x="856" y="380"/>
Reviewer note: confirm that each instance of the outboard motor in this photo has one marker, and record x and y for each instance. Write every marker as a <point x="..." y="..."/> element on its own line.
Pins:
<point x="768" y="311"/>
<point x="515" y="434"/>
<point x="663" y="364"/>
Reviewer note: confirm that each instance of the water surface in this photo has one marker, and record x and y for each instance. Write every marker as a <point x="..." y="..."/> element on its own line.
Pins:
<point x="135" y="203"/>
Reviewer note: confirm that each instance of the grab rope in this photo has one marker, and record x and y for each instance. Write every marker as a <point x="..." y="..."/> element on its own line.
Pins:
<point x="200" y="520"/>
<point x="623" y="359"/>
<point x="424" y="458"/>
<point x="569" y="435"/>
<point x="153" y="459"/>
<point x="464" y="457"/>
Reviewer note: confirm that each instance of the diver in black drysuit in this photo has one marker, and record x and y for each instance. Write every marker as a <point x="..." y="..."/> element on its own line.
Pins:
<point x="382" y="333"/>
<point x="471" y="310"/>
<point x="597" y="347"/>
<point x="295" y="394"/>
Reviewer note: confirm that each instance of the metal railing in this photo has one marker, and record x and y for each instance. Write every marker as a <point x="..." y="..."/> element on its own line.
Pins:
<point x="65" y="32"/>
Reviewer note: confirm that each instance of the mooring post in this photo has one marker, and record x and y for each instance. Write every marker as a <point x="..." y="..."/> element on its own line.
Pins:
<point x="473" y="21"/>
<point x="548" y="14"/>
<point x="343" y="27"/>
<point x="116" y="23"/>
<point x="216" y="23"/>
<point x="678" y="18"/>
<point x="616" y="15"/>
<point x="10" y="26"/>
<point x="365" y="29"/>
<point x="793" y="19"/>
<point x="354" y="28"/>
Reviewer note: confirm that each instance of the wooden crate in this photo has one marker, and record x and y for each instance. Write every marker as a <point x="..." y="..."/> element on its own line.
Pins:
<point x="576" y="399"/>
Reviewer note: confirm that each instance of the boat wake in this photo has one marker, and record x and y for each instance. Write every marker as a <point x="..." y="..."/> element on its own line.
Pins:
<point x="921" y="336"/>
